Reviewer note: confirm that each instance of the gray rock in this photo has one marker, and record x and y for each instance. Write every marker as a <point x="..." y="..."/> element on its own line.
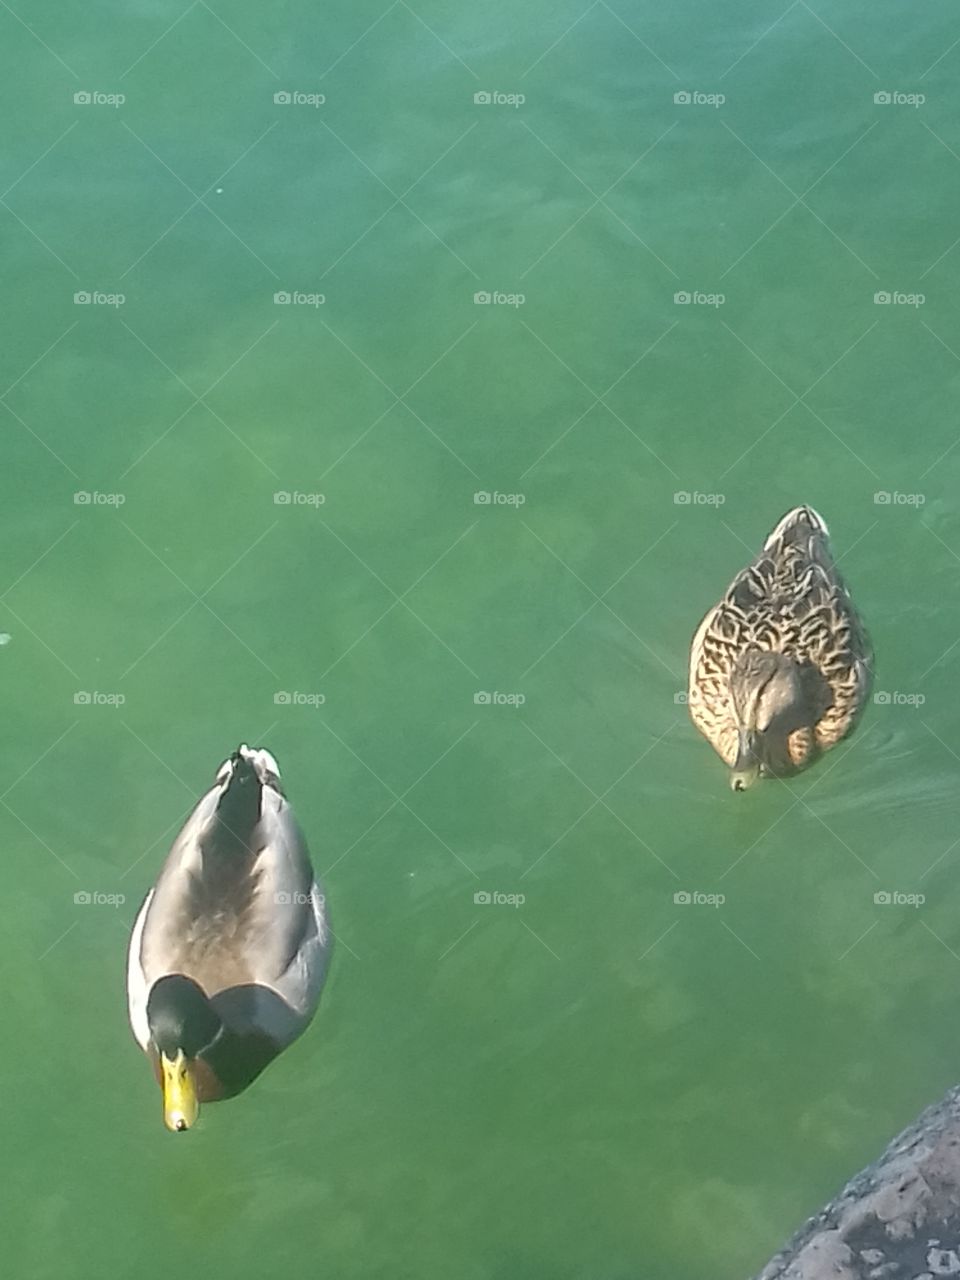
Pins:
<point x="897" y="1220"/>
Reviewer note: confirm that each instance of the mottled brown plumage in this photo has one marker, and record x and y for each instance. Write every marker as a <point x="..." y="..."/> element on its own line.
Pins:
<point x="781" y="668"/>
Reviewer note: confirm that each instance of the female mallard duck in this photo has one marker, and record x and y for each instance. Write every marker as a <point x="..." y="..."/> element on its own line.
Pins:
<point x="780" y="669"/>
<point x="230" y="948"/>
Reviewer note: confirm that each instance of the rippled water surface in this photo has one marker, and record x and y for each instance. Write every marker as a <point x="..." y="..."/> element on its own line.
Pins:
<point x="598" y="1083"/>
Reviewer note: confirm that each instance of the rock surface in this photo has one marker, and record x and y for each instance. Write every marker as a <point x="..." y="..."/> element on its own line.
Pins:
<point x="897" y="1220"/>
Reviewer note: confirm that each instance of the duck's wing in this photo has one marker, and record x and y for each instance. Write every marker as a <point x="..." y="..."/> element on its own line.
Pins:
<point x="795" y="570"/>
<point x="746" y="617"/>
<point x="289" y="933"/>
<point x="287" y="938"/>
<point x="176" y="930"/>
<point x="138" y="988"/>
<point x="713" y="652"/>
<point x="818" y="617"/>
<point x="842" y="651"/>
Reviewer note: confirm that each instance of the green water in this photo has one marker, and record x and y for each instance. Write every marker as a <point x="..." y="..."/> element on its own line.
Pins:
<point x="597" y="1084"/>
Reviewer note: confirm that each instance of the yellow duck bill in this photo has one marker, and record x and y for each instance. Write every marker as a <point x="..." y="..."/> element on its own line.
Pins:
<point x="180" y="1103"/>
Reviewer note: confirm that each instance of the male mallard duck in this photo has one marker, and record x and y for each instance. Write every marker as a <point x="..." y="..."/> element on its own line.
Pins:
<point x="230" y="948"/>
<point x="780" y="669"/>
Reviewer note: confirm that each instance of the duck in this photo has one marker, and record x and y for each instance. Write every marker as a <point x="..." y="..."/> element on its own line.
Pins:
<point x="230" y="949"/>
<point x="781" y="668"/>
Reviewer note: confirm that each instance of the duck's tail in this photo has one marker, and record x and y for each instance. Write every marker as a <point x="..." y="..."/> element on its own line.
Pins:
<point x="802" y="527"/>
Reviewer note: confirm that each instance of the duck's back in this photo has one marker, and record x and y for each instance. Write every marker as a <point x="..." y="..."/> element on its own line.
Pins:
<point x="790" y="599"/>
<point x="236" y="910"/>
